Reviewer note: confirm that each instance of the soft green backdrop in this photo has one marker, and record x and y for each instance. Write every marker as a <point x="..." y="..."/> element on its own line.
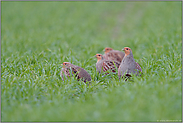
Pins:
<point x="37" y="37"/>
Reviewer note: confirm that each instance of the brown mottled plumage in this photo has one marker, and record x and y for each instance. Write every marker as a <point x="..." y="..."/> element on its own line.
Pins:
<point x="79" y="72"/>
<point x="105" y="65"/>
<point x="128" y="64"/>
<point x="113" y="55"/>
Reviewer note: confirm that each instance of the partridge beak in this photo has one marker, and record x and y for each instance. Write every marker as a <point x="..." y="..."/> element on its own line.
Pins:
<point x="123" y="49"/>
<point x="94" y="56"/>
<point x="63" y="64"/>
<point x="104" y="50"/>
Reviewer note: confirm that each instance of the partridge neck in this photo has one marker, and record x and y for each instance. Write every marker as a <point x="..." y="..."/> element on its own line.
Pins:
<point x="129" y="55"/>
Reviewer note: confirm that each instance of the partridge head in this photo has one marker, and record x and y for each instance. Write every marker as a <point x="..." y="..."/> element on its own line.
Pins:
<point x="107" y="49"/>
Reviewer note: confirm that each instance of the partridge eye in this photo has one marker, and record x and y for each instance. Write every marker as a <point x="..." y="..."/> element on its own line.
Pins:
<point x="98" y="55"/>
<point x="126" y="48"/>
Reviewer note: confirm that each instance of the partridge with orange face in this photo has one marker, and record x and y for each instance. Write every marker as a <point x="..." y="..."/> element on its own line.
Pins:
<point x="79" y="72"/>
<point x="105" y="65"/>
<point x="113" y="55"/>
<point x="128" y="64"/>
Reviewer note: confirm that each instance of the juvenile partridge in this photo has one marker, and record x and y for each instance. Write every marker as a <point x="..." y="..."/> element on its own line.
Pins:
<point x="113" y="55"/>
<point x="105" y="65"/>
<point x="79" y="72"/>
<point x="128" y="64"/>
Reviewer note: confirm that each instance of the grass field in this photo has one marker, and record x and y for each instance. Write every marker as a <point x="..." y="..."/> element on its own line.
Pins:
<point x="37" y="37"/>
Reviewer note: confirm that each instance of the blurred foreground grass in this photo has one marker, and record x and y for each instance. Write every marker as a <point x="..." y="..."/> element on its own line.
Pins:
<point x="38" y="36"/>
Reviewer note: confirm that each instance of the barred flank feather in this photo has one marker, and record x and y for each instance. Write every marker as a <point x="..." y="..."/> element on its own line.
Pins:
<point x="110" y="65"/>
<point x="138" y="67"/>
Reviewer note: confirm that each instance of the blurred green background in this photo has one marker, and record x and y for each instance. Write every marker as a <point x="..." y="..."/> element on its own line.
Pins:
<point x="36" y="37"/>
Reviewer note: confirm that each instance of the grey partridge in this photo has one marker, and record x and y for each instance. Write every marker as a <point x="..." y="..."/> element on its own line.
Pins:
<point x="105" y="65"/>
<point x="128" y="65"/>
<point x="79" y="72"/>
<point x="113" y="55"/>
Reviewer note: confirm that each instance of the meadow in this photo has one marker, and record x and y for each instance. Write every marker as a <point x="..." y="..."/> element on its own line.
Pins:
<point x="37" y="37"/>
